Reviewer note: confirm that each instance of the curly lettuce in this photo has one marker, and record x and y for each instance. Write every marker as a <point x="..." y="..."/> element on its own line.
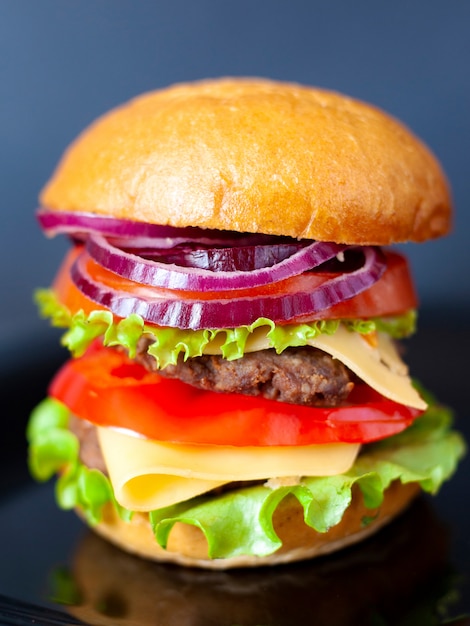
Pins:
<point x="240" y="522"/>
<point x="166" y="344"/>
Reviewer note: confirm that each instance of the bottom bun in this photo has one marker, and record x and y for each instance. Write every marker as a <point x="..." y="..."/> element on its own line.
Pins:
<point x="187" y="544"/>
<point x="392" y="578"/>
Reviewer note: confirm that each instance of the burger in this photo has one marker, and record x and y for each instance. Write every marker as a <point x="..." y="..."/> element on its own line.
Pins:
<point x="236" y="393"/>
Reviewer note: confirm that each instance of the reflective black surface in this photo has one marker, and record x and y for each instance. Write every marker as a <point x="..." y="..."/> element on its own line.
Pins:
<point x="416" y="571"/>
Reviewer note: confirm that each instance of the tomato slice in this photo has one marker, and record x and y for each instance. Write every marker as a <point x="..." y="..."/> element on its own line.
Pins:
<point x="107" y="388"/>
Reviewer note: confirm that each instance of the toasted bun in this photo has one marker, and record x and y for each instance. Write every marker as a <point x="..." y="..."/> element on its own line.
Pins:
<point x="256" y="156"/>
<point x="187" y="545"/>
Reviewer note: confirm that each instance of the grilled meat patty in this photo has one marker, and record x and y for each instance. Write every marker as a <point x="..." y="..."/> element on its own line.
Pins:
<point x="90" y="450"/>
<point x="305" y="375"/>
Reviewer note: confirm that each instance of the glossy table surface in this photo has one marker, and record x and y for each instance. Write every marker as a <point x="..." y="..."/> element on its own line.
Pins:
<point x="416" y="571"/>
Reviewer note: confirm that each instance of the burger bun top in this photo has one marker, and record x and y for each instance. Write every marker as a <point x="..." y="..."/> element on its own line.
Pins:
<point x="254" y="155"/>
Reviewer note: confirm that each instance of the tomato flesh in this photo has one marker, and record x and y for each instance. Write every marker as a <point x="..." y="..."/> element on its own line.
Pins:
<point x="107" y="388"/>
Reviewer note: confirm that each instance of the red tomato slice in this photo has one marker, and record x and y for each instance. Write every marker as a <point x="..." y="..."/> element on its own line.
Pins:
<point x="392" y="294"/>
<point x="107" y="388"/>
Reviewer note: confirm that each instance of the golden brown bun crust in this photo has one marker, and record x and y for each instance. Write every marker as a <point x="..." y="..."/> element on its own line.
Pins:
<point x="187" y="545"/>
<point x="254" y="155"/>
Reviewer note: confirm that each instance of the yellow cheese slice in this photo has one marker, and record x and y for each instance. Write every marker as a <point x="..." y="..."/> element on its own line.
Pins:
<point x="149" y="475"/>
<point x="379" y="366"/>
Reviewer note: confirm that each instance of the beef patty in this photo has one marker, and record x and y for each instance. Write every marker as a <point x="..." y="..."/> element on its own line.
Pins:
<point x="90" y="450"/>
<point x="303" y="375"/>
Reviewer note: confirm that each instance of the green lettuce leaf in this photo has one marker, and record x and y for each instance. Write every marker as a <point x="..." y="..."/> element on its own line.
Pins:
<point x="427" y="456"/>
<point x="241" y="521"/>
<point x="52" y="446"/>
<point x="54" y="449"/>
<point x="398" y="326"/>
<point x="166" y="344"/>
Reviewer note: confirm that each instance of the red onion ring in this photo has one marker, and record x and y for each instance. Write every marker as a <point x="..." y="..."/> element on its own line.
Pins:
<point x="77" y="222"/>
<point x="229" y="313"/>
<point x="157" y="274"/>
<point x="109" y="241"/>
<point x="243" y="258"/>
<point x="131" y="234"/>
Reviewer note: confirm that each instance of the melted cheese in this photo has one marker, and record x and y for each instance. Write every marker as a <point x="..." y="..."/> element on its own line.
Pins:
<point x="148" y="475"/>
<point x="380" y="366"/>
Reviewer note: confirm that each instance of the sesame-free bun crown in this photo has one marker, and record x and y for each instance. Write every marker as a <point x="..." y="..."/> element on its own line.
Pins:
<point x="255" y="155"/>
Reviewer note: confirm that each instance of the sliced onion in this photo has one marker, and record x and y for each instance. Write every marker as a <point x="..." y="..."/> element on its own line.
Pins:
<point x="157" y="274"/>
<point x="137" y="235"/>
<point x="148" y="254"/>
<point x="75" y="222"/>
<point x="237" y="258"/>
<point x="152" y="246"/>
<point x="229" y="313"/>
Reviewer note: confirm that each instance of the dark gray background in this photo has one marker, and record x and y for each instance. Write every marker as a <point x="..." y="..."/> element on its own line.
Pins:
<point x="64" y="62"/>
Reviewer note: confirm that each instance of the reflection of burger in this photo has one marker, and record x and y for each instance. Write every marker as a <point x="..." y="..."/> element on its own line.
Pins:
<point x="236" y="396"/>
